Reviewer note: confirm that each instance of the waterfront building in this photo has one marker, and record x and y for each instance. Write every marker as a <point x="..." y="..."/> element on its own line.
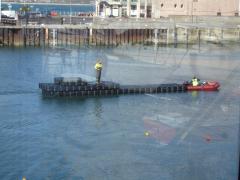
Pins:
<point x="165" y="8"/>
<point x="124" y="8"/>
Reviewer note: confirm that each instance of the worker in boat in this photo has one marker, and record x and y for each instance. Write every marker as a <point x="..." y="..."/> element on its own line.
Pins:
<point x="98" y="67"/>
<point x="195" y="81"/>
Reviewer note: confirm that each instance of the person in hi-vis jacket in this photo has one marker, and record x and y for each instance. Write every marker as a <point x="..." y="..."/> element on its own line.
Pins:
<point x="98" y="67"/>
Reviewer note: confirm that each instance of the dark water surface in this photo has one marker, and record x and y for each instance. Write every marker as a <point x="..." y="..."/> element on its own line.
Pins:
<point x="152" y="136"/>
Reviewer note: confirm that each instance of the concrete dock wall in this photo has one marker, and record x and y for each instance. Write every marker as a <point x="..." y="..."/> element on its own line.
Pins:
<point x="57" y="36"/>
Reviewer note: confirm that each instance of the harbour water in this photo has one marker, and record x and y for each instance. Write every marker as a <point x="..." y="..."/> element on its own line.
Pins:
<point x="159" y="136"/>
<point x="60" y="9"/>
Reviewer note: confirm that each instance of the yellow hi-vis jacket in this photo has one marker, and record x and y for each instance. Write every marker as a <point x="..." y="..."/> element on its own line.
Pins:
<point x="195" y="82"/>
<point x="98" y="66"/>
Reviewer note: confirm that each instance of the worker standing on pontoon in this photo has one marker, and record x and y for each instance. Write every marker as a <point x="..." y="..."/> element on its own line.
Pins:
<point x="98" y="67"/>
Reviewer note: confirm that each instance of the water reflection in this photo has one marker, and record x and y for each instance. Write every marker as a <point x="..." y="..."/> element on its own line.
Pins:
<point x="57" y="61"/>
<point x="190" y="136"/>
<point x="162" y="132"/>
<point x="194" y="94"/>
<point x="98" y="112"/>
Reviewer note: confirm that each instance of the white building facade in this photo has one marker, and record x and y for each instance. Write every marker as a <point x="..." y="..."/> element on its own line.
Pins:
<point x="124" y="8"/>
<point x="165" y="8"/>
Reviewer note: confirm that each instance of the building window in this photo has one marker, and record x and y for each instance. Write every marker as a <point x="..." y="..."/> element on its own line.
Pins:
<point x="175" y="5"/>
<point x="133" y="7"/>
<point x="181" y="5"/>
<point x="161" y="5"/>
<point x="218" y="13"/>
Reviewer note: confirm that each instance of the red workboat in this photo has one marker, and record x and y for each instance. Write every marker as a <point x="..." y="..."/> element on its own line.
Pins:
<point x="206" y="86"/>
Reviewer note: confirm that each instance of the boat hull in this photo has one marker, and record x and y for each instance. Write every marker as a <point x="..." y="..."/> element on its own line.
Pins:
<point x="208" y="86"/>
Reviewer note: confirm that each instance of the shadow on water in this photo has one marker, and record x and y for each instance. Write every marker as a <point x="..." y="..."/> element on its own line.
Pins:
<point x="77" y="99"/>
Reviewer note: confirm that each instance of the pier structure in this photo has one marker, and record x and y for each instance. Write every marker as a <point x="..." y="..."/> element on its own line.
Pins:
<point x="120" y="31"/>
<point x="84" y="88"/>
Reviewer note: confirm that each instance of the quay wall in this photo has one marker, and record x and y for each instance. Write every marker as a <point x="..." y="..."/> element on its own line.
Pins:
<point x="100" y="36"/>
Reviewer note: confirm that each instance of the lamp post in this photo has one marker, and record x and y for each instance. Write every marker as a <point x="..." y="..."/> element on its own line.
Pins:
<point x="192" y="11"/>
<point x="194" y="6"/>
<point x="9" y="7"/>
<point x="0" y="11"/>
<point x="70" y="12"/>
